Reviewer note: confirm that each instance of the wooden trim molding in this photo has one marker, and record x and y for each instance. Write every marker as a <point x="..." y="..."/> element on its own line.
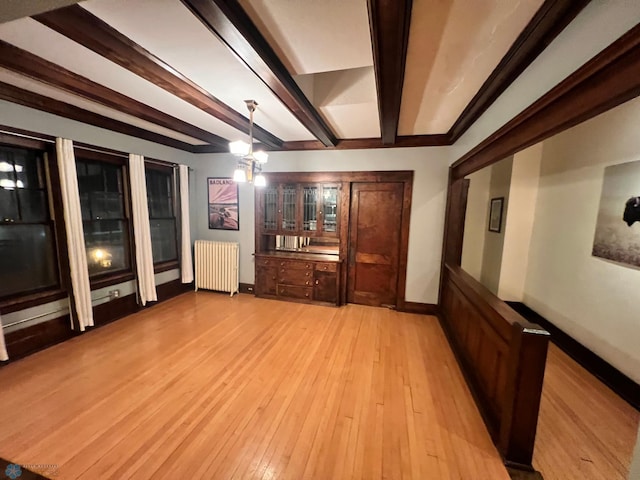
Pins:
<point x="389" y="25"/>
<point x="420" y="308"/>
<point x="231" y="24"/>
<point x="89" y="31"/>
<point x="608" y="80"/>
<point x="26" y="63"/>
<point x="20" y="96"/>
<point x="31" y="339"/>
<point x="550" y="19"/>
<point x="594" y="364"/>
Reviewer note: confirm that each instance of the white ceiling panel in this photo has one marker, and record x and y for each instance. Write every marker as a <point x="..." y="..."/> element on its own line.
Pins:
<point x="454" y="45"/>
<point x="198" y="54"/>
<point x="44" y="42"/>
<point x="312" y="36"/>
<point x="354" y="121"/>
<point x="51" y="92"/>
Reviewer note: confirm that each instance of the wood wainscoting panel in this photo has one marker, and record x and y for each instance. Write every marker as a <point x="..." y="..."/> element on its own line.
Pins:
<point x="206" y="386"/>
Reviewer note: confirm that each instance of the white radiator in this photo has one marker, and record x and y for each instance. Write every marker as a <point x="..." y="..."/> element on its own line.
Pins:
<point x="217" y="266"/>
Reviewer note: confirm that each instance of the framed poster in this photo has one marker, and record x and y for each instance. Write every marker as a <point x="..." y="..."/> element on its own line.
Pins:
<point x="495" y="214"/>
<point x="223" y="204"/>
<point x="617" y="235"/>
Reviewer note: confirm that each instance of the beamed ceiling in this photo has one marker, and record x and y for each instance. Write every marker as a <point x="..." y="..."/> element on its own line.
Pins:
<point x="325" y="73"/>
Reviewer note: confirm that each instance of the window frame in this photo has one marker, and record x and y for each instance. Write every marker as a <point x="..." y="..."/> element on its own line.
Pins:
<point x="124" y="275"/>
<point x="38" y="296"/>
<point x="165" y="266"/>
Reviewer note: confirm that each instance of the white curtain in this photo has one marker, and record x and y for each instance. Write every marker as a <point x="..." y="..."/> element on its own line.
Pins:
<point x="144" y="253"/>
<point x="75" y="233"/>
<point x="3" y="348"/>
<point x="187" y="260"/>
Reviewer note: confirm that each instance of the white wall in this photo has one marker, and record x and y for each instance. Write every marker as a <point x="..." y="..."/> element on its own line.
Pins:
<point x="430" y="166"/>
<point x="475" y="222"/>
<point x="593" y="300"/>
<point x="523" y="193"/>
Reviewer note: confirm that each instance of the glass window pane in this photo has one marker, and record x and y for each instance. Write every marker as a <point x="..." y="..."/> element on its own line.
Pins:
<point x="106" y="205"/>
<point x="159" y="193"/>
<point x="163" y="240"/>
<point x="33" y="205"/>
<point x="28" y="260"/>
<point x="29" y="169"/>
<point x="107" y="243"/>
<point x="329" y="209"/>
<point x="8" y="205"/>
<point x="310" y="208"/>
<point x="289" y="207"/>
<point x="270" y="208"/>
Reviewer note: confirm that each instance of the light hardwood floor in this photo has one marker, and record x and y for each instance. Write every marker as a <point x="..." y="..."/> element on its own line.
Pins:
<point x="585" y="431"/>
<point x="205" y="386"/>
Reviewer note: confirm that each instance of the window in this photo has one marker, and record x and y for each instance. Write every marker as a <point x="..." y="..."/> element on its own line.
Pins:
<point x="104" y="216"/>
<point x="160" y="197"/>
<point x="28" y="261"/>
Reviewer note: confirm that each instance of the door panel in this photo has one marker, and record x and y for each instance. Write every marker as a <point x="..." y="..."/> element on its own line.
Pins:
<point x="374" y="242"/>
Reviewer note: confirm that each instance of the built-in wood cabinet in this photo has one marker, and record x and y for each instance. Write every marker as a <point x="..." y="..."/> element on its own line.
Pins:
<point x="298" y="239"/>
<point x="293" y="276"/>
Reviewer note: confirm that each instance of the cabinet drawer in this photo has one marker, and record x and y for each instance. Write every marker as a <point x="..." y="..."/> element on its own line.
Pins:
<point x="295" y="277"/>
<point x="326" y="267"/>
<point x="295" y="292"/>
<point x="266" y="262"/>
<point x="295" y="265"/>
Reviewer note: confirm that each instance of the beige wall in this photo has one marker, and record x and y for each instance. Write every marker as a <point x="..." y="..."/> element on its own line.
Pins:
<point x="593" y="300"/>
<point x="430" y="166"/>
<point x="494" y="241"/>
<point x="523" y="193"/>
<point x="475" y="222"/>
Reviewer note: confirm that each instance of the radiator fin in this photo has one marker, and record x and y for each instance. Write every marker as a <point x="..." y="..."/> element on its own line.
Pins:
<point x="217" y="266"/>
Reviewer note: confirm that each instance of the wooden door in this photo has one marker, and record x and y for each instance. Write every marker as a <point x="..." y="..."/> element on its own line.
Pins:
<point x="374" y="243"/>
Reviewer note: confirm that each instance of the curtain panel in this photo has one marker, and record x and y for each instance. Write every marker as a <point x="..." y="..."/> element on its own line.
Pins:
<point x="142" y="230"/>
<point x="81" y="289"/>
<point x="3" y="348"/>
<point x="186" y="258"/>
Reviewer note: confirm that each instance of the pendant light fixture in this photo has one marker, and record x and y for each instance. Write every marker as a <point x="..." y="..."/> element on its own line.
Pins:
<point x="249" y="168"/>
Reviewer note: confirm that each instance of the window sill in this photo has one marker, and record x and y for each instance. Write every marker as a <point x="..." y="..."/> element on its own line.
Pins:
<point x="166" y="266"/>
<point x="31" y="300"/>
<point x="111" y="279"/>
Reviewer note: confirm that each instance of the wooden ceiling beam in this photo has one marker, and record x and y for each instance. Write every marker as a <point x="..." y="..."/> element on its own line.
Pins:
<point x="550" y="19"/>
<point x="25" y="63"/>
<point x="230" y="23"/>
<point x="20" y="96"/>
<point x="389" y="23"/>
<point x="81" y="26"/>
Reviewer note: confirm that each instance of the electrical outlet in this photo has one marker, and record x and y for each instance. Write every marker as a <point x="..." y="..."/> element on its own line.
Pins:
<point x="114" y="294"/>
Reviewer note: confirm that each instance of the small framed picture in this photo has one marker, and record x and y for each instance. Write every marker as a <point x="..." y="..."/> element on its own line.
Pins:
<point x="495" y="214"/>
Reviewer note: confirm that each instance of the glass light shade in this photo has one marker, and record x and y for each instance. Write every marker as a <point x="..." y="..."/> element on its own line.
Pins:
<point x="261" y="156"/>
<point x="240" y="175"/>
<point x="239" y="148"/>
<point x="259" y="180"/>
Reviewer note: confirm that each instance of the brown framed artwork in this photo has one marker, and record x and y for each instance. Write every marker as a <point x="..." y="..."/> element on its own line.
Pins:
<point x="495" y="214"/>
<point x="223" y="204"/>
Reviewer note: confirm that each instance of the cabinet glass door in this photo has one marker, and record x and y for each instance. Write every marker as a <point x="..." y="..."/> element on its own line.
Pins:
<point x="330" y="209"/>
<point x="270" y="210"/>
<point x="310" y="208"/>
<point x="289" y="205"/>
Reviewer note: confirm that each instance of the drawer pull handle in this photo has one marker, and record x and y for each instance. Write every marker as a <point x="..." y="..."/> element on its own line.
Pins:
<point x="325" y="267"/>
<point x="317" y="282"/>
<point x="306" y="295"/>
<point x="273" y="278"/>
<point x="281" y="264"/>
<point x="307" y="282"/>
<point x="308" y="266"/>
<point x="306" y="274"/>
